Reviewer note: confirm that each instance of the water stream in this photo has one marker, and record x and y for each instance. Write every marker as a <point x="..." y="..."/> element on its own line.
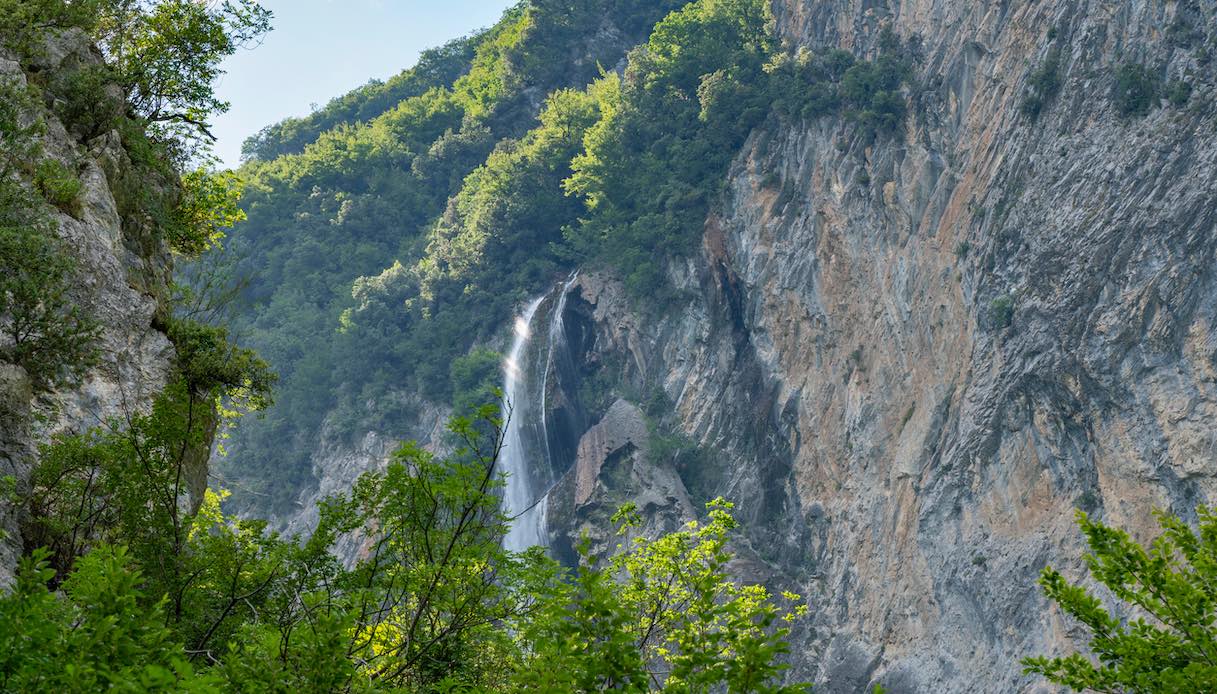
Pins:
<point x="526" y="456"/>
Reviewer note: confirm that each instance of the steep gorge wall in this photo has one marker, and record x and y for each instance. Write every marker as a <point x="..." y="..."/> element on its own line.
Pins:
<point x="903" y="448"/>
<point x="902" y="452"/>
<point x="118" y="281"/>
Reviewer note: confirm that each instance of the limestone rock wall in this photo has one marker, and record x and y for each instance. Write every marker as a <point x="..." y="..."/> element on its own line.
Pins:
<point x="900" y="451"/>
<point x="117" y="281"/>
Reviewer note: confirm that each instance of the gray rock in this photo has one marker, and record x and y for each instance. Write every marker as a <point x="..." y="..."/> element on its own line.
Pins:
<point x="117" y="287"/>
<point x="896" y="454"/>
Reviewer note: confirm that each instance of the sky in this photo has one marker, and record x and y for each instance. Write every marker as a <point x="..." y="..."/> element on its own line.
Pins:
<point x="320" y="49"/>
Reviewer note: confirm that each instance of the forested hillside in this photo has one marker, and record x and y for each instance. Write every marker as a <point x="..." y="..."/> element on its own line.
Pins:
<point x="120" y="568"/>
<point x="383" y="250"/>
<point x="822" y="326"/>
<point x="340" y="221"/>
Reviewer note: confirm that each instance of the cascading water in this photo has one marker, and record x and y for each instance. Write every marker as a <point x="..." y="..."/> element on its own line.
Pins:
<point x="556" y="337"/>
<point x="526" y="457"/>
<point x="527" y="514"/>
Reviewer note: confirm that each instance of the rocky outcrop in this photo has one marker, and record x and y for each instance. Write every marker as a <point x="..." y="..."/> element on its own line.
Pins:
<point x="118" y="282"/>
<point x="338" y="464"/>
<point x="614" y="466"/>
<point x="622" y="433"/>
<point x="916" y="355"/>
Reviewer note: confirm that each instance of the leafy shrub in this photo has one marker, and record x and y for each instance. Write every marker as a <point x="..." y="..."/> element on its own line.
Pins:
<point x="1001" y="311"/>
<point x="675" y="620"/>
<point x="86" y="104"/>
<point x="871" y="93"/>
<point x="58" y="184"/>
<point x="208" y="204"/>
<point x="1135" y="90"/>
<point x="1042" y="84"/>
<point x="211" y="366"/>
<point x="101" y="632"/>
<point x="1178" y="92"/>
<point x="46" y="333"/>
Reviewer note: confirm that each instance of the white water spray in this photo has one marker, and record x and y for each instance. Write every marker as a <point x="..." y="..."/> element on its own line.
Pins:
<point x="529" y="467"/>
<point x="528" y="514"/>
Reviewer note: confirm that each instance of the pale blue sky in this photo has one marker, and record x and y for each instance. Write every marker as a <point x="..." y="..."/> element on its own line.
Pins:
<point x="322" y="48"/>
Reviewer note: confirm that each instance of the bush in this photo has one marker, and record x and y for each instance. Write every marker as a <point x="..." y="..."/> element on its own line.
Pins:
<point x="1178" y="93"/>
<point x="1001" y="311"/>
<point x="58" y="184"/>
<point x="100" y="633"/>
<point x="46" y="333"/>
<point x="1042" y="84"/>
<point x="208" y="204"/>
<point x="1135" y="90"/>
<point x="85" y="105"/>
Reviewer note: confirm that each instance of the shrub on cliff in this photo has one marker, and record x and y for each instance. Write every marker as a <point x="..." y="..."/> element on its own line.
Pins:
<point x="42" y="328"/>
<point x="1169" y="589"/>
<point x="1042" y="84"/>
<point x="1136" y="89"/>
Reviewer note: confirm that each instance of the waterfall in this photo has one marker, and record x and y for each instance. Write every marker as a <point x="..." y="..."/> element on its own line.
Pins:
<point x="528" y="514"/>
<point x="526" y="457"/>
<point x="557" y="336"/>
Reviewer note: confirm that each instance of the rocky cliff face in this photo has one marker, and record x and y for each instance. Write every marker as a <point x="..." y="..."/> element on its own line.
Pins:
<point x="909" y="358"/>
<point x="119" y="282"/>
<point x="917" y="355"/>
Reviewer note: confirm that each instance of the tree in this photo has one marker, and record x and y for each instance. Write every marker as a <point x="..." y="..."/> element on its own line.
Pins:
<point x="433" y="604"/>
<point x="663" y="615"/>
<point x="1169" y="589"/>
<point x="44" y="331"/>
<point x="166" y="55"/>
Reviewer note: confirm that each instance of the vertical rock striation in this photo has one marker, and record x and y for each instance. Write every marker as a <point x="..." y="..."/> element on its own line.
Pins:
<point x="119" y="281"/>
<point x="917" y="355"/>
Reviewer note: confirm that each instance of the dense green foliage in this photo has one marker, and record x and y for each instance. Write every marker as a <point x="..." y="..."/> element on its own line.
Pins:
<point x="1136" y="89"/>
<point x="1168" y="590"/>
<point x="45" y="332"/>
<point x="384" y="250"/>
<point x="100" y="633"/>
<point x="661" y="611"/>
<point x="159" y="598"/>
<point x="1042" y="84"/>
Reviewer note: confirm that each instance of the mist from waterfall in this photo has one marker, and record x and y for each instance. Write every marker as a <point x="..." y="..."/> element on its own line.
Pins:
<point x="528" y="515"/>
<point x="526" y="456"/>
